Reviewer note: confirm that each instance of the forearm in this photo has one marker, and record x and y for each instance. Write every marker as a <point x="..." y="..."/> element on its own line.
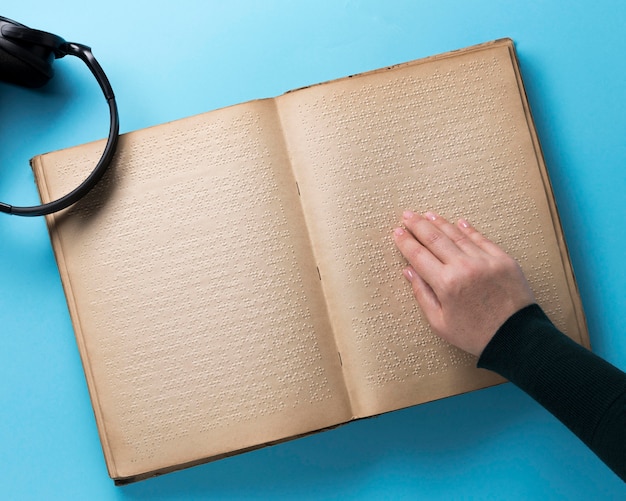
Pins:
<point x="584" y="392"/>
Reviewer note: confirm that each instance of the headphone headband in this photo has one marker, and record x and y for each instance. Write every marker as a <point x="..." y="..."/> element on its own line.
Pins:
<point x="26" y="46"/>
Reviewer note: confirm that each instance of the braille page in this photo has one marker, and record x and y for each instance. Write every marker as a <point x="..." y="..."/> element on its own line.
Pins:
<point x="194" y="294"/>
<point x="447" y="133"/>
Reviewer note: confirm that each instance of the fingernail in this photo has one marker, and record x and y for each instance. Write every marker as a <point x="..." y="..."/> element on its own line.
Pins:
<point x="463" y="223"/>
<point x="407" y="214"/>
<point x="398" y="232"/>
<point x="409" y="274"/>
<point x="431" y="216"/>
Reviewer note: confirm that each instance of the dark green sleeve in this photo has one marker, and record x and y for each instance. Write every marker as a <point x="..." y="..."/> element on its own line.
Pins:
<point x="583" y="391"/>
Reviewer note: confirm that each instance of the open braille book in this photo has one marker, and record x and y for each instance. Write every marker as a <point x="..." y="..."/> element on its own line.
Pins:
<point x="233" y="282"/>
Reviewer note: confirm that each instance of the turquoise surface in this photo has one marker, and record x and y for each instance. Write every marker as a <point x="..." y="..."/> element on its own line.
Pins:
<point x="168" y="60"/>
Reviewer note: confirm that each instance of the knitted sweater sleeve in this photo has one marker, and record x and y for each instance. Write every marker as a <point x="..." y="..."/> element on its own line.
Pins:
<point x="583" y="391"/>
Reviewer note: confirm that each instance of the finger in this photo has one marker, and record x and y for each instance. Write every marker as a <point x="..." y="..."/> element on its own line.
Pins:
<point x="424" y="294"/>
<point x="418" y="256"/>
<point x="431" y="237"/>
<point x="479" y="239"/>
<point x="461" y="239"/>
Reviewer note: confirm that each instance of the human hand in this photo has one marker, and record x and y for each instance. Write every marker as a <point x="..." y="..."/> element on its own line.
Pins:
<point x="465" y="284"/>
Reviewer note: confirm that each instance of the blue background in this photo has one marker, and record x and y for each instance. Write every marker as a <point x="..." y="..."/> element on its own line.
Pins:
<point x="168" y="60"/>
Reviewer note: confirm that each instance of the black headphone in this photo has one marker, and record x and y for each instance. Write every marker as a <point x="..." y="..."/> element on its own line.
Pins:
<point x="26" y="57"/>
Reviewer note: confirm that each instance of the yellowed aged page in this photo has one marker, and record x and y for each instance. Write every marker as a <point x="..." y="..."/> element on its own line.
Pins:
<point x="194" y="294"/>
<point x="449" y="133"/>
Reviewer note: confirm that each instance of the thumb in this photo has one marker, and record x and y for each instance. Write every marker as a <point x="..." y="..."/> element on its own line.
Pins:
<point x="424" y="294"/>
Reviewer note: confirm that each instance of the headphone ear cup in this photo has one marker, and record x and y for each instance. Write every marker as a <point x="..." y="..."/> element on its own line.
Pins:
<point x="26" y="55"/>
<point x="21" y="67"/>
